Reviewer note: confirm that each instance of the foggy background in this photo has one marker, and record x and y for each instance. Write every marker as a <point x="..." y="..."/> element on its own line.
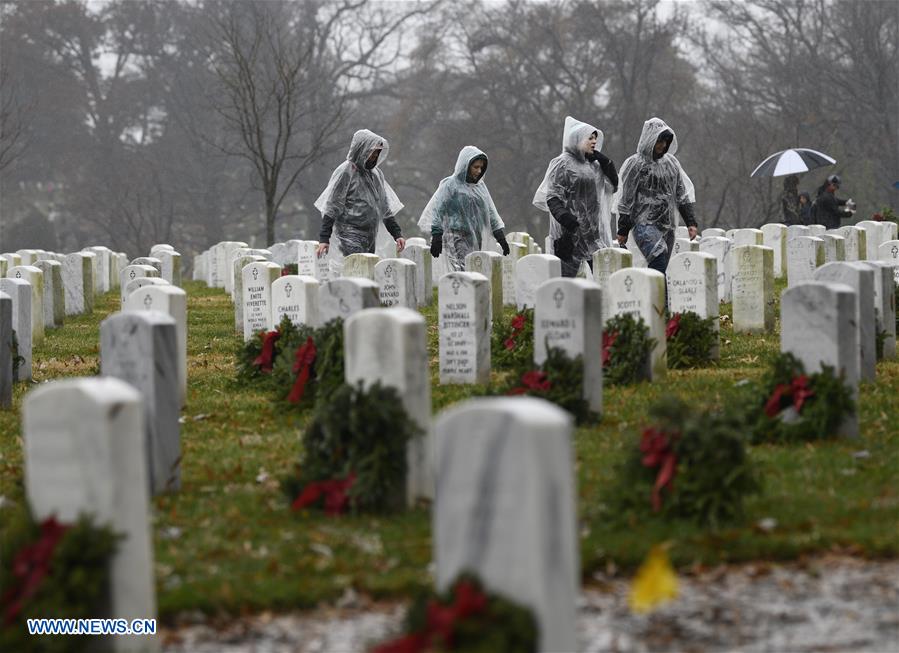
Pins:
<point x="134" y="123"/>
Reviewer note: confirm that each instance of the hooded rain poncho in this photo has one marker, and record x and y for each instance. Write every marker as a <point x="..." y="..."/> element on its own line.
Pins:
<point x="583" y="189"/>
<point x="462" y="211"/>
<point x="652" y="191"/>
<point x="358" y="201"/>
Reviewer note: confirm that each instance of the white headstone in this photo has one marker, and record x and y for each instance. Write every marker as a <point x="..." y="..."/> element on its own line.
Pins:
<point x="137" y="283"/>
<point x="681" y="232"/>
<point x="132" y="272"/>
<point x="257" y="279"/>
<point x="161" y="247"/>
<point x="606" y="262"/>
<point x="818" y="327"/>
<point x="6" y="362"/>
<point x="797" y="230"/>
<point x="396" y="282"/>
<point x="684" y="245"/>
<point x="27" y="256"/>
<point x="295" y="296"/>
<point x="54" y="293"/>
<point x="713" y="232"/>
<point x="463" y="321"/>
<point x="78" y="282"/>
<point x="103" y="282"/>
<point x="172" y="301"/>
<point x="237" y="267"/>
<point x="568" y="316"/>
<point x="719" y="247"/>
<point x="171" y="266"/>
<point x="342" y="297"/>
<point x="141" y="349"/>
<point x="531" y="271"/>
<point x="774" y="235"/>
<point x="490" y="264"/>
<point x="19" y="291"/>
<point x="360" y="266"/>
<point x="752" y="288"/>
<point x="805" y="254"/>
<point x="421" y="256"/>
<point x="816" y="229"/>
<point x="884" y="305"/>
<point x="85" y="453"/>
<point x="641" y="293"/>
<point x="307" y="262"/>
<point x="34" y="277"/>
<point x="390" y="346"/>
<point x="889" y="253"/>
<point x="226" y="253"/>
<point x="516" y="251"/>
<point x="692" y="279"/>
<point x="149" y="260"/>
<point x="874" y="236"/>
<point x="12" y="259"/>
<point x="834" y="247"/>
<point x="856" y="242"/>
<point x="861" y="280"/>
<point x="748" y="237"/>
<point x="505" y="508"/>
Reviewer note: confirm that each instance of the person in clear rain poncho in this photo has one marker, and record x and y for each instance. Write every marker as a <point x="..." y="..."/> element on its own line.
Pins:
<point x="358" y="200"/>
<point x="577" y="191"/>
<point x="461" y="212"/>
<point x="654" y="189"/>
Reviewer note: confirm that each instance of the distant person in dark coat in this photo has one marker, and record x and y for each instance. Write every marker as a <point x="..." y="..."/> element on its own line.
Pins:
<point x="790" y="200"/>
<point x="830" y="209"/>
<point x="805" y="208"/>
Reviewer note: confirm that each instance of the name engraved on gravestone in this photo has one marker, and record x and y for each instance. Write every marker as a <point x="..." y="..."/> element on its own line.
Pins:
<point x="464" y="328"/>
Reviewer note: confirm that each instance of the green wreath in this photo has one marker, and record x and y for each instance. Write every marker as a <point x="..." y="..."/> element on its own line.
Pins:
<point x="513" y="343"/>
<point x="626" y="347"/>
<point x="690" y="340"/>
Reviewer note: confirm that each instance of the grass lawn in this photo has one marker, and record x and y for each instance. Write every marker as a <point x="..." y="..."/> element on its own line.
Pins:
<point x="227" y="542"/>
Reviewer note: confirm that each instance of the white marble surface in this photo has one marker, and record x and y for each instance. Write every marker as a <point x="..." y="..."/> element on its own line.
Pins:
<point x="641" y="292"/>
<point x="421" y="256"/>
<point x="805" y="254"/>
<point x="257" y="279"/>
<point x="490" y="264"/>
<point x="295" y="296"/>
<point x="531" y="271"/>
<point x="396" y="282"/>
<point x="342" y="297"/>
<point x="752" y="289"/>
<point x="607" y="261"/>
<point x="774" y="235"/>
<point x="720" y="247"/>
<point x="464" y="326"/>
<point x="861" y="279"/>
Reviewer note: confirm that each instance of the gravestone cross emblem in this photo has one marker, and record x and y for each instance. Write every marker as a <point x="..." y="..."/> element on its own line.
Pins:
<point x="558" y="297"/>
<point x="132" y="275"/>
<point x="628" y="283"/>
<point x="456" y="285"/>
<point x="687" y="263"/>
<point x="389" y="271"/>
<point x="255" y="274"/>
<point x="18" y="274"/>
<point x="288" y="289"/>
<point x="148" y="301"/>
<point x="895" y="251"/>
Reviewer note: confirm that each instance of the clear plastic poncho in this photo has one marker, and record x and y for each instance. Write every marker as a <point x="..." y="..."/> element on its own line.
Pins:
<point x="583" y="189"/>
<point x="650" y="190"/>
<point x="462" y="211"/>
<point x="359" y="200"/>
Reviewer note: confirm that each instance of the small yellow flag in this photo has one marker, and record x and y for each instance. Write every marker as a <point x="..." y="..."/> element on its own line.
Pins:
<point x="655" y="582"/>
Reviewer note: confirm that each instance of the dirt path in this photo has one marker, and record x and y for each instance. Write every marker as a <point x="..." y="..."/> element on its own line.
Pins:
<point x="831" y="603"/>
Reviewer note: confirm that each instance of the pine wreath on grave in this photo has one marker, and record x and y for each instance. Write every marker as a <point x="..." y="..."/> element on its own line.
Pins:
<point x="686" y="465"/>
<point x="789" y="405"/>
<point x="311" y="365"/>
<point x="626" y="347"/>
<point x="465" y="618"/>
<point x="513" y="343"/>
<point x="17" y="360"/>
<point x="690" y="340"/>
<point x="52" y="570"/>
<point x="256" y="358"/>
<point x="289" y="268"/>
<point x="559" y="380"/>
<point x="354" y="452"/>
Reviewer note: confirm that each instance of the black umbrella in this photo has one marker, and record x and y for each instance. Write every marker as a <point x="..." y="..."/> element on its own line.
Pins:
<point x="791" y="162"/>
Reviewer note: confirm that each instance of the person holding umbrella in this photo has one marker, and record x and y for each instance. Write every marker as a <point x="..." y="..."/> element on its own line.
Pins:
<point x="829" y="209"/>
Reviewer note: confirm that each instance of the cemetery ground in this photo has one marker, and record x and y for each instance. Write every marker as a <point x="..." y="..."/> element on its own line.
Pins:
<point x="227" y="543"/>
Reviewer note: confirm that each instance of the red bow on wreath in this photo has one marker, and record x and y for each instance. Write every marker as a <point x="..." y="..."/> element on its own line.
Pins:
<point x="533" y="380"/>
<point x="302" y="366"/>
<point x="441" y="622"/>
<point x="608" y="340"/>
<point x="30" y="566"/>
<point x="264" y="359"/>
<point x="657" y="450"/>
<point x="517" y="324"/>
<point x="798" y="389"/>
<point x="335" y="491"/>
<point x="673" y="326"/>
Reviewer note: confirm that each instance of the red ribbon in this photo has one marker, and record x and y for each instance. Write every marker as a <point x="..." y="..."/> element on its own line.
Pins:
<point x="657" y="450"/>
<point x="441" y="622"/>
<point x="335" y="491"/>
<point x="302" y="366"/>
<point x="608" y="339"/>
<point x="533" y="380"/>
<point x="798" y="389"/>
<point x="30" y="566"/>
<point x="518" y="323"/>
<point x="265" y="358"/>
<point x="673" y="326"/>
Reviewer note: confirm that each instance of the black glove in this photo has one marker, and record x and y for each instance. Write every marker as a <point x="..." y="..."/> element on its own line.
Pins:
<point x="563" y="247"/>
<point x="436" y="245"/>
<point x="568" y="221"/>
<point x="500" y="236"/>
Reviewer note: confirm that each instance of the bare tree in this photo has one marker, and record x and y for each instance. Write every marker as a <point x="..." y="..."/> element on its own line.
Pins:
<point x="14" y="119"/>
<point x="287" y="73"/>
